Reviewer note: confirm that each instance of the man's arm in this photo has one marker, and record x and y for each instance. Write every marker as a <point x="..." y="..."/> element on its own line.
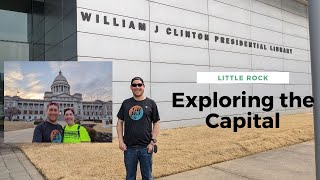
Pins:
<point x="122" y="145"/>
<point x="37" y="134"/>
<point x="156" y="129"/>
<point x="155" y="120"/>
<point x="155" y="133"/>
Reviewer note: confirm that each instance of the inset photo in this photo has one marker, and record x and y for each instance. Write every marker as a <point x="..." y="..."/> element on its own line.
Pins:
<point x="57" y="102"/>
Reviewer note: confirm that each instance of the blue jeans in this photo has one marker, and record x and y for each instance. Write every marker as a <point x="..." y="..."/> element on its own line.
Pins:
<point x="131" y="158"/>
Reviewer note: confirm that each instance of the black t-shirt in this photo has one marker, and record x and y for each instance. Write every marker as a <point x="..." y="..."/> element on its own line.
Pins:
<point x="47" y="132"/>
<point x="138" y="117"/>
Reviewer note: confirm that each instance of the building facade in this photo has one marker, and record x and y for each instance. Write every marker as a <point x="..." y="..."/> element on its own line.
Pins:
<point x="167" y="42"/>
<point x="32" y="109"/>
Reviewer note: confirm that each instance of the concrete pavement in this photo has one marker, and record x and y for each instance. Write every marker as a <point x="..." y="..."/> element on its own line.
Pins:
<point x="15" y="165"/>
<point x="19" y="136"/>
<point x="295" y="162"/>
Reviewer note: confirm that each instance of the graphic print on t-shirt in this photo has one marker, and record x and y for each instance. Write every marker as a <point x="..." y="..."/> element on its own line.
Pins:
<point x="71" y="134"/>
<point x="56" y="136"/>
<point x="136" y="112"/>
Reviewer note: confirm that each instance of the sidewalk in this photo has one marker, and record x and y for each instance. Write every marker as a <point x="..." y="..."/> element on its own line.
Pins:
<point x="294" y="162"/>
<point x="19" y="136"/>
<point x="15" y="165"/>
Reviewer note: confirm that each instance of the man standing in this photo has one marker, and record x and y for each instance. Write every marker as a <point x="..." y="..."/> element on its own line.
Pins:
<point x="138" y="114"/>
<point x="49" y="130"/>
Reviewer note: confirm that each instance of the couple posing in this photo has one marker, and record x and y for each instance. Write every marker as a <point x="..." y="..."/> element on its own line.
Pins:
<point x="51" y="131"/>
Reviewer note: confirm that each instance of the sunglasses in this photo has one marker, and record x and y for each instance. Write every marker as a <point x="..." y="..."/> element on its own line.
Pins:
<point x="135" y="85"/>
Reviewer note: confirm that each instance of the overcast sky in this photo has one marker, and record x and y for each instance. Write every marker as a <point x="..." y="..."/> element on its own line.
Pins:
<point x="30" y="79"/>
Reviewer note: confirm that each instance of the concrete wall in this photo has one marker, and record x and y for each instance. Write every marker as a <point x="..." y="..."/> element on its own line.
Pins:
<point x="169" y="63"/>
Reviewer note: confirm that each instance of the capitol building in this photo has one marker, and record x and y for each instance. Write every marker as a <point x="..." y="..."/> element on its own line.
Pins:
<point x="60" y="93"/>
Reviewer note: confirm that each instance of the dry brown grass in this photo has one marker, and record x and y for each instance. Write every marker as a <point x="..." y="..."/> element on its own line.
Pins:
<point x="17" y="125"/>
<point x="180" y="150"/>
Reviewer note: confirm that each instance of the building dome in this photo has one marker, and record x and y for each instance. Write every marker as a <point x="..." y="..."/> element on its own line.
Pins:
<point x="60" y="80"/>
<point x="60" y="85"/>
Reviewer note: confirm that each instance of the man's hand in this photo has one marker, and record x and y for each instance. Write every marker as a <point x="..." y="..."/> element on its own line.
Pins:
<point x="122" y="146"/>
<point x="150" y="147"/>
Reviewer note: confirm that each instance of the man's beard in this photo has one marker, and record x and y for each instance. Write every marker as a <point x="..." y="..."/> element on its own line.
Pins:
<point x="136" y="94"/>
<point x="53" y="121"/>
